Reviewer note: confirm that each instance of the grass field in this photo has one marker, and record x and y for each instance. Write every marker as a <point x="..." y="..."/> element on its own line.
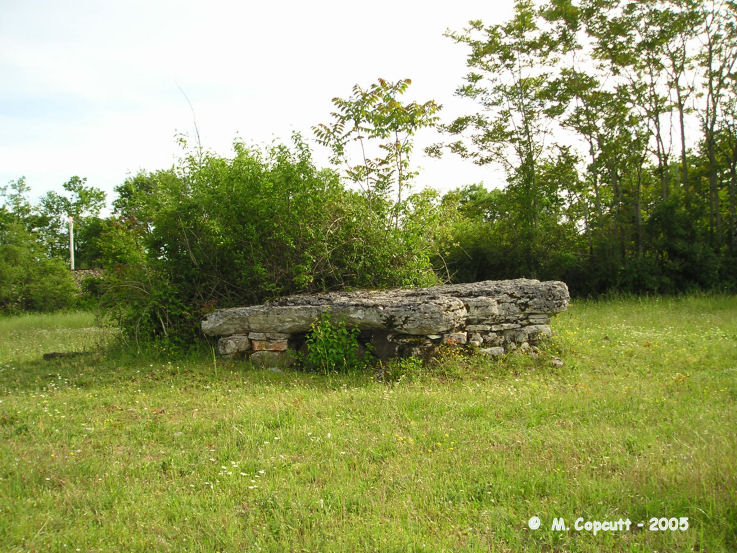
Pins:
<point x="113" y="452"/>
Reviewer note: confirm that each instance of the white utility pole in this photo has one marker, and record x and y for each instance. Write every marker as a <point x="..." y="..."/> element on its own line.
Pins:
<point x="71" y="242"/>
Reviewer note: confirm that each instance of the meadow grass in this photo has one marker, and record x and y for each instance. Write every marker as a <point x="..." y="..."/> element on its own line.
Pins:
<point x="24" y="337"/>
<point x="117" y="452"/>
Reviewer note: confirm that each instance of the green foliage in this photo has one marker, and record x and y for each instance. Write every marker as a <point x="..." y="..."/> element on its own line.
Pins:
<point x="16" y="204"/>
<point x="48" y="219"/>
<point x="83" y="203"/>
<point x="332" y="347"/>
<point x="92" y="288"/>
<point x="375" y="118"/>
<point x="613" y="209"/>
<point x="29" y="280"/>
<point x="80" y="200"/>
<point x="219" y="232"/>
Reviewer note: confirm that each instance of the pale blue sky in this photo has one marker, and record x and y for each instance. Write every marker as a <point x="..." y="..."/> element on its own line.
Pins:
<point x="89" y="88"/>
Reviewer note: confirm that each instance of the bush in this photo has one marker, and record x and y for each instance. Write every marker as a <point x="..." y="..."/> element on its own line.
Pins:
<point x="29" y="280"/>
<point x="91" y="287"/>
<point x="332" y="347"/>
<point x="220" y="232"/>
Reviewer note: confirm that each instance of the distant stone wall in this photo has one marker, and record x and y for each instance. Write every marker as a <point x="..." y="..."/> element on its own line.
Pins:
<point x="80" y="274"/>
<point x="495" y="316"/>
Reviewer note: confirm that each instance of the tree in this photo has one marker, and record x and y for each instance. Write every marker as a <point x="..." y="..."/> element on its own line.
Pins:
<point x="375" y="117"/>
<point x="718" y="61"/>
<point x="15" y="195"/>
<point x="29" y="279"/>
<point x="264" y="223"/>
<point x="612" y="82"/>
<point x="681" y="17"/>
<point x="510" y="68"/>
<point x="83" y="203"/>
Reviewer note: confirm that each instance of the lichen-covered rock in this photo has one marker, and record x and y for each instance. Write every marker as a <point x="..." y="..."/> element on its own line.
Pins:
<point x="492" y="352"/>
<point x="363" y="310"/>
<point x="495" y="314"/>
<point x="268" y="336"/>
<point x="229" y="346"/>
<point x="476" y="340"/>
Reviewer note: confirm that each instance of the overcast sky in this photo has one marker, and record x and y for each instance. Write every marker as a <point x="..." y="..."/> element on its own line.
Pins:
<point x="91" y="88"/>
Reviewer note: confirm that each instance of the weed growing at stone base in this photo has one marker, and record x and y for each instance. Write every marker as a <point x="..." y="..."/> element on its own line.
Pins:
<point x="332" y="347"/>
<point x="124" y="452"/>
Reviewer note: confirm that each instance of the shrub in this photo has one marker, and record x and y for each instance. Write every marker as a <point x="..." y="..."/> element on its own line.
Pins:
<point x="91" y="287"/>
<point x="332" y="347"/>
<point x="218" y="232"/>
<point x="29" y="280"/>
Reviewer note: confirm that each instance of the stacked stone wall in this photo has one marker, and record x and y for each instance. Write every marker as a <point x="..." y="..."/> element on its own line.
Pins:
<point x="495" y="316"/>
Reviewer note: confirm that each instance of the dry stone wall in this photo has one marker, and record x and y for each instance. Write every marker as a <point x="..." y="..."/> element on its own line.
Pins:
<point x="495" y="316"/>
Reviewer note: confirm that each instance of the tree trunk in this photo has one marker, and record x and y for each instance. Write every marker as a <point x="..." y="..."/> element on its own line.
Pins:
<point x="733" y="198"/>
<point x="595" y="180"/>
<point x="619" y="200"/>
<point x="715" y="220"/>
<point x="684" y="163"/>
<point x="638" y="211"/>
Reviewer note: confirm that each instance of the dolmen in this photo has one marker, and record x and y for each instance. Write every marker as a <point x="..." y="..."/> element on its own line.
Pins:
<point x="494" y="316"/>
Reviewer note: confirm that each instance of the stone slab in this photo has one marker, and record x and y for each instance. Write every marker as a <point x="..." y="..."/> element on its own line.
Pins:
<point x="420" y="311"/>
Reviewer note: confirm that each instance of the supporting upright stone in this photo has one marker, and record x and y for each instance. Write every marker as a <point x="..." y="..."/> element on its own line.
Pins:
<point x="232" y="346"/>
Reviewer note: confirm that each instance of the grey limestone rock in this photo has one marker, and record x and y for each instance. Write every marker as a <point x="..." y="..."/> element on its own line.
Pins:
<point x="535" y="332"/>
<point x="498" y="312"/>
<point x="365" y="310"/>
<point x="492" y="352"/>
<point x="269" y="336"/>
<point x="476" y="340"/>
<point x="233" y="345"/>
